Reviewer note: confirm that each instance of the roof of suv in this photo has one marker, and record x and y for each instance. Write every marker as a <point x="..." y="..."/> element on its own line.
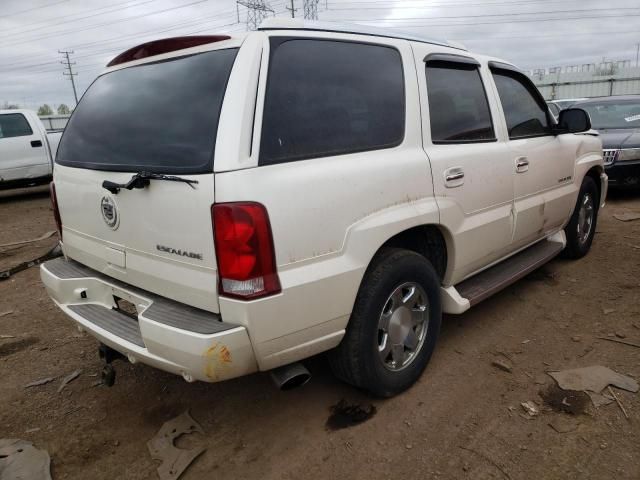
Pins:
<point x="278" y="23"/>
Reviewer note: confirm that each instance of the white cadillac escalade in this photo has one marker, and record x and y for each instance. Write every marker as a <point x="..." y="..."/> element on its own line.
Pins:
<point x="237" y="204"/>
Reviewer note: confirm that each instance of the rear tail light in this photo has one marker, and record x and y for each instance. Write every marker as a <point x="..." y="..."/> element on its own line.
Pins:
<point x="244" y="250"/>
<point x="56" y="210"/>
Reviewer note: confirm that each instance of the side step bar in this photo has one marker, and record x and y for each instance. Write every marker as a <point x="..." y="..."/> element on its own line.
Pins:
<point x="459" y="298"/>
<point x="483" y="285"/>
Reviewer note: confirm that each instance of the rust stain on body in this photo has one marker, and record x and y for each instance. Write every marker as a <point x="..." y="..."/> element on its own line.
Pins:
<point x="216" y="357"/>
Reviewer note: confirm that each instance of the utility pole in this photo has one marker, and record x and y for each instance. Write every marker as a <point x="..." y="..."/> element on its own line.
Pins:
<point x="292" y="10"/>
<point x="257" y="11"/>
<point x="637" y="53"/>
<point x="69" y="73"/>
<point x="311" y="9"/>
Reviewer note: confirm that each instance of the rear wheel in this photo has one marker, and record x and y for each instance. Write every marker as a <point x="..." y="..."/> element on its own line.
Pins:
<point x="582" y="226"/>
<point x="394" y="325"/>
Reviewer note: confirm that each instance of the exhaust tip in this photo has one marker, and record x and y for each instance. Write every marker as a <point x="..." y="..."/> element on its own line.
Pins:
<point x="290" y="376"/>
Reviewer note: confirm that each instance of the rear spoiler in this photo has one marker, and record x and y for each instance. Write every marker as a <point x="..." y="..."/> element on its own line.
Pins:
<point x="165" y="45"/>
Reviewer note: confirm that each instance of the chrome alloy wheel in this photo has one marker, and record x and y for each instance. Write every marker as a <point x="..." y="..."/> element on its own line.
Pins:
<point x="585" y="218"/>
<point x="402" y="327"/>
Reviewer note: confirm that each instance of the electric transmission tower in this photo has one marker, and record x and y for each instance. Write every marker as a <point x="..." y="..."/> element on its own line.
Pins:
<point x="257" y="11"/>
<point x="69" y="71"/>
<point x="310" y="8"/>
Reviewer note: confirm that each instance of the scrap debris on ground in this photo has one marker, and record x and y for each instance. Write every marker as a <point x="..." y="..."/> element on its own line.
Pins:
<point x="627" y="216"/>
<point x="37" y="383"/>
<point x="68" y="379"/>
<point x="20" y="460"/>
<point x="593" y="380"/>
<point x="162" y="447"/>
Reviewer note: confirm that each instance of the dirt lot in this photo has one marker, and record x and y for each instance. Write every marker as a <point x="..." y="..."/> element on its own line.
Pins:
<point x="462" y="420"/>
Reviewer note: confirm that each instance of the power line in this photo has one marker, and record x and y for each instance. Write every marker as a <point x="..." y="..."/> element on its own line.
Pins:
<point x="31" y="9"/>
<point x="69" y="73"/>
<point x="133" y="17"/>
<point x="492" y="15"/>
<point x="21" y="27"/>
<point x="561" y="19"/>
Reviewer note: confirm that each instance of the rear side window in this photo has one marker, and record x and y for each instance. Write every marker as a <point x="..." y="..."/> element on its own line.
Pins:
<point x="458" y="106"/>
<point x="331" y="98"/>
<point x="160" y="117"/>
<point x="526" y="116"/>
<point x="14" y="125"/>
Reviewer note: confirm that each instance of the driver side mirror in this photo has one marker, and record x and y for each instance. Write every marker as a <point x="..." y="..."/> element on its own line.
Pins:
<point x="573" y="120"/>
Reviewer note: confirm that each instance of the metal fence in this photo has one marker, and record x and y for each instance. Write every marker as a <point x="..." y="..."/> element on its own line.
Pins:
<point x="594" y="83"/>
<point x="55" y="122"/>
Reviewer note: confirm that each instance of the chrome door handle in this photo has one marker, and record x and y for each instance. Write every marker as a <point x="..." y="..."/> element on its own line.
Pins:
<point x="454" y="176"/>
<point x="522" y="164"/>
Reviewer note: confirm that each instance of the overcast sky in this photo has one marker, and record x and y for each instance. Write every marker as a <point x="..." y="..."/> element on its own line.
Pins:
<point x="531" y="33"/>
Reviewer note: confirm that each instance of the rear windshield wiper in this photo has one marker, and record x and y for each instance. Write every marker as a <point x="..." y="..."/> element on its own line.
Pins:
<point x="141" y="180"/>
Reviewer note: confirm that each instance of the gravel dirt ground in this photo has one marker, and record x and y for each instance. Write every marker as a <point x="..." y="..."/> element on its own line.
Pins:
<point x="462" y="420"/>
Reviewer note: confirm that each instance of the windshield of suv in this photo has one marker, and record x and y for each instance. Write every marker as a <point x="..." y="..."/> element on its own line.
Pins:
<point x="160" y="117"/>
<point x="613" y="114"/>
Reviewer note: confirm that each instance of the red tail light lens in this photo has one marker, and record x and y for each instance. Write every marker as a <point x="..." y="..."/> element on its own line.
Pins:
<point x="56" y="210"/>
<point x="244" y="250"/>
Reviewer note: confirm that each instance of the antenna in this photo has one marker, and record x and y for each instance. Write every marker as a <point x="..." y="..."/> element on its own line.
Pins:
<point x="69" y="71"/>
<point x="257" y="11"/>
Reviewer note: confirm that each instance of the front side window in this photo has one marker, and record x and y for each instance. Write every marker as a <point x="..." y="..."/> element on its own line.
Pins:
<point x="14" y="125"/>
<point x="160" y="117"/>
<point x="328" y="98"/>
<point x="525" y="115"/>
<point x="458" y="107"/>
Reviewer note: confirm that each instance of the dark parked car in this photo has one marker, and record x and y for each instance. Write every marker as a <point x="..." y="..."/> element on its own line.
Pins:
<point x="617" y="119"/>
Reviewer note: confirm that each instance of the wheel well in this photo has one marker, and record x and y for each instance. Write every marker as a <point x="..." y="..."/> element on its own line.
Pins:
<point x="428" y="241"/>
<point x="594" y="172"/>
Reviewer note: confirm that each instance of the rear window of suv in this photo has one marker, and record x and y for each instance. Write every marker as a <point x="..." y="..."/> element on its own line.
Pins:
<point x="160" y="117"/>
<point x="328" y="98"/>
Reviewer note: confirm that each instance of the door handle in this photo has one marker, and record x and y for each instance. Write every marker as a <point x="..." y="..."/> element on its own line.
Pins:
<point x="522" y="164"/>
<point x="454" y="177"/>
<point x="36" y="143"/>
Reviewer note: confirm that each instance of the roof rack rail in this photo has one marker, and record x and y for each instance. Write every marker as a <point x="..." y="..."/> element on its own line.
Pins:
<point x="279" y="23"/>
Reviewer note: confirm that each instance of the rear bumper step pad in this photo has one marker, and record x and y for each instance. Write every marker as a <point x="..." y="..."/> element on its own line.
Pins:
<point x="110" y="320"/>
<point x="159" y="309"/>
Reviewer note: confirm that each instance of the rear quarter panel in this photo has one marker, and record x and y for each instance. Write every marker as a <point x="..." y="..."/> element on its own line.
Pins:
<point x="329" y="216"/>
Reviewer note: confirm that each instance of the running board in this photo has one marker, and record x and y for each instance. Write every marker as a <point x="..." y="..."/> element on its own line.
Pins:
<point x="486" y="283"/>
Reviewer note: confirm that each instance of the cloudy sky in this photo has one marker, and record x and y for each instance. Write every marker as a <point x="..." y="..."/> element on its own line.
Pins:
<point x="531" y="33"/>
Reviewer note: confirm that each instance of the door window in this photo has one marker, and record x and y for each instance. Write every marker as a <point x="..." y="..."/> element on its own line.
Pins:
<point x="328" y="98"/>
<point x="524" y="111"/>
<point x="458" y="106"/>
<point x="14" y="125"/>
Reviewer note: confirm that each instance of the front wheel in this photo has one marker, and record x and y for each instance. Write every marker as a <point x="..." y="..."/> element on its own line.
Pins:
<point x="394" y="325"/>
<point x="582" y="226"/>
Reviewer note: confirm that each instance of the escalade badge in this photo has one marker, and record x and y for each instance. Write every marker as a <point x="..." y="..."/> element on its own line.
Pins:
<point x="109" y="212"/>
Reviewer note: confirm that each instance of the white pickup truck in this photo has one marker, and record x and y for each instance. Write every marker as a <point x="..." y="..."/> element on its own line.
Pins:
<point x="312" y="187"/>
<point x="27" y="151"/>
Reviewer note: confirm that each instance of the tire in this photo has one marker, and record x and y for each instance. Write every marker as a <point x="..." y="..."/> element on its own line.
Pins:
<point x="579" y="243"/>
<point x="358" y="360"/>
